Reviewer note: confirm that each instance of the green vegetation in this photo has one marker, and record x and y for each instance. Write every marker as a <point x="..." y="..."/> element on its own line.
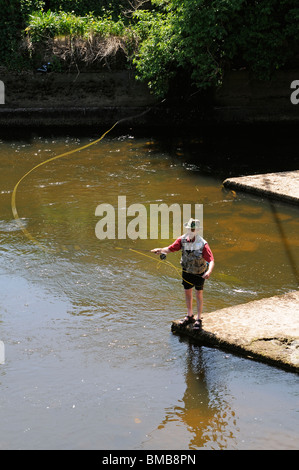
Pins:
<point x="195" y="41"/>
<point x="204" y="38"/>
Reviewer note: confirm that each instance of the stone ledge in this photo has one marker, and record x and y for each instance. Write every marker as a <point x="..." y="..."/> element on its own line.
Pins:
<point x="266" y="330"/>
<point x="283" y="186"/>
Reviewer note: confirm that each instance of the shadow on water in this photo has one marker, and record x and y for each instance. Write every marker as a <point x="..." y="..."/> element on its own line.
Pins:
<point x="219" y="149"/>
<point x="237" y="149"/>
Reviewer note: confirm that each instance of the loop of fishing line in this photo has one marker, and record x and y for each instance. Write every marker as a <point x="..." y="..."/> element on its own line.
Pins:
<point x="70" y="152"/>
<point x="14" y="193"/>
<point x="65" y="154"/>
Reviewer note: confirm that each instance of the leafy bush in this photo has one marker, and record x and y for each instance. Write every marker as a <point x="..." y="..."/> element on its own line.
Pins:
<point x="14" y="15"/>
<point x="50" y="24"/>
<point x="84" y="7"/>
<point x="198" y="39"/>
<point x="207" y="37"/>
<point x="156" y="62"/>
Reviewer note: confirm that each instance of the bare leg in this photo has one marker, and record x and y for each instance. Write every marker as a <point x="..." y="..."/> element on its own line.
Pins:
<point x="189" y="300"/>
<point x="199" y="300"/>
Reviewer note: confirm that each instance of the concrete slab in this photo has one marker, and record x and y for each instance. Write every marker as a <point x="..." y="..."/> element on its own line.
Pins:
<point x="283" y="186"/>
<point x="266" y="330"/>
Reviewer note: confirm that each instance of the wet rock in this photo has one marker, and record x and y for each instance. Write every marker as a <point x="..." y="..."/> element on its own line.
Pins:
<point x="266" y="330"/>
<point x="283" y="186"/>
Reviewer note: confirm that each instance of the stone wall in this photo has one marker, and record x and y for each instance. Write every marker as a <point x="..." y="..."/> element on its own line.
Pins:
<point x="249" y="100"/>
<point x="50" y="90"/>
<point x="70" y="99"/>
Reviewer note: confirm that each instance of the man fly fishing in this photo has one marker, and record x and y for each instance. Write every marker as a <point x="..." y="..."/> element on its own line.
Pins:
<point x="197" y="263"/>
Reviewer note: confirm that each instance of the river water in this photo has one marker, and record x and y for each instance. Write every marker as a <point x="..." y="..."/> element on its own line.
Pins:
<point x="90" y="361"/>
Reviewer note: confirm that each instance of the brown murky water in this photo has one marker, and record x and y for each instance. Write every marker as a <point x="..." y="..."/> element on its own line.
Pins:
<point x="90" y="359"/>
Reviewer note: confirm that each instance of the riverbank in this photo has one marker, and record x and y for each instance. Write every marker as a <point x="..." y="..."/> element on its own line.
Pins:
<point x="266" y="330"/>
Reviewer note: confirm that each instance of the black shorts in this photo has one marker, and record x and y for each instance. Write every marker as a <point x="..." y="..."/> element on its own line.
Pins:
<point x="190" y="280"/>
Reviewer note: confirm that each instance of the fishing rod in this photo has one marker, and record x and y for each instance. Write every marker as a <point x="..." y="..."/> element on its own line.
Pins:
<point x="142" y="251"/>
<point x="162" y="255"/>
<point x="162" y="258"/>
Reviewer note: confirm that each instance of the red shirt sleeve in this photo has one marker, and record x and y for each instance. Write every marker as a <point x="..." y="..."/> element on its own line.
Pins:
<point x="176" y="246"/>
<point x="207" y="253"/>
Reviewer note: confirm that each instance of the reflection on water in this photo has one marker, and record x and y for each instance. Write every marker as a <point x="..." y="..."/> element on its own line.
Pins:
<point x="211" y="421"/>
<point x="87" y="328"/>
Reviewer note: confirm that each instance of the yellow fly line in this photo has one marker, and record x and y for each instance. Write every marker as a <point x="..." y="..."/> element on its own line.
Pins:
<point x="165" y="261"/>
<point x="71" y="152"/>
<point x="14" y="193"/>
<point x="178" y="270"/>
<point x="13" y="198"/>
